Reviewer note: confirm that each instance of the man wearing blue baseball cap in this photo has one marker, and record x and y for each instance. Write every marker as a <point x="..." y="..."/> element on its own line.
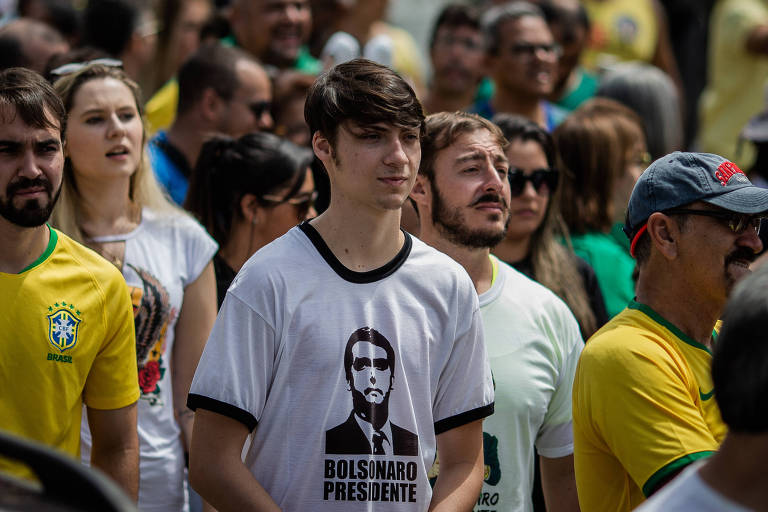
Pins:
<point x="642" y="395"/>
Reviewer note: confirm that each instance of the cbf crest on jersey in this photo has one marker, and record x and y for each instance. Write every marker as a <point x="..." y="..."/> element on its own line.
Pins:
<point x="63" y="324"/>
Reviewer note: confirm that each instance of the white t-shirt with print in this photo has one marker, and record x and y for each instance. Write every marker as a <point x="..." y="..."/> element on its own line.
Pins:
<point x="163" y="255"/>
<point x="275" y="361"/>
<point x="533" y="344"/>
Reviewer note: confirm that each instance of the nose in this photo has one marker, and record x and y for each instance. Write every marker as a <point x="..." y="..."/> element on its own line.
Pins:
<point x="493" y="180"/>
<point x="396" y="157"/>
<point x="116" y="127"/>
<point x="28" y="166"/>
<point x="751" y="240"/>
<point x="265" y="121"/>
<point x="292" y="13"/>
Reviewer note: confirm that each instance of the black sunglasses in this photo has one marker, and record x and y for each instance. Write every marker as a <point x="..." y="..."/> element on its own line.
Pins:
<point x="302" y="202"/>
<point x="538" y="178"/>
<point x="736" y="222"/>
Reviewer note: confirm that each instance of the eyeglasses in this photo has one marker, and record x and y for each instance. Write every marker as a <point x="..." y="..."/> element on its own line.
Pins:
<point x="258" y="108"/>
<point x="302" y="202"/>
<point x="74" y="67"/>
<point x="737" y="222"/>
<point x="465" y="43"/>
<point x="538" y="178"/>
<point x="530" y="49"/>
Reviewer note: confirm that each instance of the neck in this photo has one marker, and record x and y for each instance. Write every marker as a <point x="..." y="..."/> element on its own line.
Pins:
<point x="21" y="246"/>
<point x="361" y="239"/>
<point x="187" y="136"/>
<point x="439" y="101"/>
<point x="737" y="470"/>
<point x="243" y="242"/>
<point x="678" y="303"/>
<point x="513" y="250"/>
<point x="105" y="207"/>
<point x="475" y="261"/>
<point x="515" y="103"/>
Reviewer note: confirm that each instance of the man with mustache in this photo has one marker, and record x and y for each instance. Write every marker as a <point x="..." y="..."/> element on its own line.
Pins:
<point x="642" y="398"/>
<point x="369" y="367"/>
<point x="533" y="341"/>
<point x="67" y="324"/>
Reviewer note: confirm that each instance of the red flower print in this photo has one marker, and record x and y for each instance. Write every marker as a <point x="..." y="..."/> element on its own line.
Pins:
<point x="148" y="376"/>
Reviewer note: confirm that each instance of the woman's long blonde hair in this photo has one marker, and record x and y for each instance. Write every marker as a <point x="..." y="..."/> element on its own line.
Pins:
<point x="144" y="189"/>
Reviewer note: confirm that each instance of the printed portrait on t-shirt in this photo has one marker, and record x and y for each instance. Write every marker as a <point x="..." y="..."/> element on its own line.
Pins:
<point x="369" y="368"/>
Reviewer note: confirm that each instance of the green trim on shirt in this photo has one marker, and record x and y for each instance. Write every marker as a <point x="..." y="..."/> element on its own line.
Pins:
<point x="666" y="323"/>
<point x="670" y="469"/>
<point x="52" y="239"/>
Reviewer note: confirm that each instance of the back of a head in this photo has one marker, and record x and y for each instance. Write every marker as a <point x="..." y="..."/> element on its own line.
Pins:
<point x="257" y="163"/>
<point x="363" y="92"/>
<point x="110" y="24"/>
<point x="593" y="146"/>
<point x="740" y="360"/>
<point x="517" y="127"/>
<point x="494" y="18"/>
<point x="32" y="98"/>
<point x="29" y="43"/>
<point x="652" y="94"/>
<point x="212" y="66"/>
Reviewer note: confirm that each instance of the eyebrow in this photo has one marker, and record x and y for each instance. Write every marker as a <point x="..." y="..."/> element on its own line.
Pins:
<point x="479" y="155"/>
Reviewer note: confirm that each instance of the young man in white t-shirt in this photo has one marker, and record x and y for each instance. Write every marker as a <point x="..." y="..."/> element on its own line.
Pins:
<point x="462" y="195"/>
<point x="341" y="300"/>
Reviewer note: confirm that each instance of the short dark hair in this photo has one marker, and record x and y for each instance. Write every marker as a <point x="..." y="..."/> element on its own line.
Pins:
<point x="33" y="98"/>
<point x="110" y="24"/>
<point x="373" y="337"/>
<point x="227" y="169"/>
<point x="496" y="16"/>
<point x="740" y="360"/>
<point x="364" y="92"/>
<point x="212" y="66"/>
<point x="455" y="16"/>
<point x="442" y="130"/>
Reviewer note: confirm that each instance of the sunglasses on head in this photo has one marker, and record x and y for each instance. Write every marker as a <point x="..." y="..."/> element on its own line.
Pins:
<point x="538" y="178"/>
<point x="736" y="222"/>
<point x="74" y="67"/>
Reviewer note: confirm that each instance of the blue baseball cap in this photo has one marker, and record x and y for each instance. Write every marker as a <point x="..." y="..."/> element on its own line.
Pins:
<point x="681" y="178"/>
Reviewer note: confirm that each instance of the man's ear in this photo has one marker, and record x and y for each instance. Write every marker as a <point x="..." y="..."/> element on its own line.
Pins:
<point x="664" y="233"/>
<point x="211" y="104"/>
<point x="421" y="192"/>
<point x="322" y="147"/>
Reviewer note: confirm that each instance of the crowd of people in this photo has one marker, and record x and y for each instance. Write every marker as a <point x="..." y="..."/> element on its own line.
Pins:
<point x="255" y="257"/>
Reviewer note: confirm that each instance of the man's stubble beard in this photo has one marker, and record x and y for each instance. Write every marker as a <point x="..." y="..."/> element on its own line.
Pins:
<point x="31" y="214"/>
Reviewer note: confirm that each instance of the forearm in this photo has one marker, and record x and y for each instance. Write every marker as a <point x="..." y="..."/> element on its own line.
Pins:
<point x="457" y="487"/>
<point x="121" y="464"/>
<point x="229" y="486"/>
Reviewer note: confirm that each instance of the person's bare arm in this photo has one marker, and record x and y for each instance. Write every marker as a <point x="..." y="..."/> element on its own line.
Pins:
<point x="757" y="40"/>
<point x="216" y="470"/>
<point x="115" y="449"/>
<point x="461" y="468"/>
<point x="558" y="482"/>
<point x="198" y="313"/>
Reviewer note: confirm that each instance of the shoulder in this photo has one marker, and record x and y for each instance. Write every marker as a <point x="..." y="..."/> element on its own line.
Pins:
<point x="531" y="294"/>
<point x="174" y="221"/>
<point x="437" y="268"/>
<point x="90" y="261"/>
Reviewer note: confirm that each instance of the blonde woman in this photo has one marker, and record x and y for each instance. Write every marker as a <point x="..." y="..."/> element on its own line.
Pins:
<point x="111" y="202"/>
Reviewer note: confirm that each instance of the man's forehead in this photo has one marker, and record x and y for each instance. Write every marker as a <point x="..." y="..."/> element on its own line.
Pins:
<point x="13" y="127"/>
<point x="367" y="349"/>
<point x="382" y="126"/>
<point x="477" y="145"/>
<point x="525" y="28"/>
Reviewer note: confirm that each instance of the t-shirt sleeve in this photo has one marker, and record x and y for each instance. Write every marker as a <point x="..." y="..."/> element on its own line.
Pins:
<point x="739" y="19"/>
<point x="555" y="437"/>
<point x="465" y="387"/>
<point x="235" y="369"/>
<point x="199" y="249"/>
<point x="641" y="406"/>
<point x="113" y="380"/>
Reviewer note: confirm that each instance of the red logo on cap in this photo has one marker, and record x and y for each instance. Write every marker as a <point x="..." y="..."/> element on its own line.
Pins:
<point x="725" y="171"/>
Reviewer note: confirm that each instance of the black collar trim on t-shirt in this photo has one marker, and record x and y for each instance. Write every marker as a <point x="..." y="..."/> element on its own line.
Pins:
<point x="350" y="275"/>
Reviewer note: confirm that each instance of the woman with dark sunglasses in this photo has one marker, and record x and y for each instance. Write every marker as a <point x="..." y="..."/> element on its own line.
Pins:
<point x="531" y="244"/>
<point x="602" y="153"/>
<point x="248" y="192"/>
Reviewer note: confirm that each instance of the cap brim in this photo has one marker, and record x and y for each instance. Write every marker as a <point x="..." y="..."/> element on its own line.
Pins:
<point x="749" y="199"/>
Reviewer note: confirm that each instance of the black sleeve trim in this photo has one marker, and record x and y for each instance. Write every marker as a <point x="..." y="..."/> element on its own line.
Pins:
<point x="211" y="404"/>
<point x="463" y="418"/>
<point x="370" y="276"/>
